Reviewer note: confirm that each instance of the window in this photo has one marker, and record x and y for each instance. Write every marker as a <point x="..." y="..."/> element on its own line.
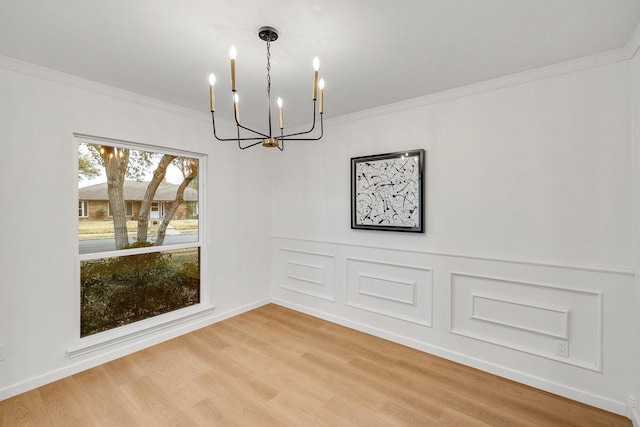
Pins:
<point x="83" y="208"/>
<point x="141" y="259"/>
<point x="128" y="208"/>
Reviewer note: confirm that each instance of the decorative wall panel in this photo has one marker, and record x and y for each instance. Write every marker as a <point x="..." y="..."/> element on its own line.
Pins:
<point x="559" y="323"/>
<point x="537" y="318"/>
<point x="309" y="273"/>
<point x="396" y="290"/>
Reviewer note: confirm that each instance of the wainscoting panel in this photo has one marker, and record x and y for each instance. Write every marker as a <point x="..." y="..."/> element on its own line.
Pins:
<point x="307" y="272"/>
<point x="555" y="322"/>
<point x="563" y="328"/>
<point x="543" y="319"/>
<point x="400" y="291"/>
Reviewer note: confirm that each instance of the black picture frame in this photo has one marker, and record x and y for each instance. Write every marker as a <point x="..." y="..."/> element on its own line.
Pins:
<point x="387" y="191"/>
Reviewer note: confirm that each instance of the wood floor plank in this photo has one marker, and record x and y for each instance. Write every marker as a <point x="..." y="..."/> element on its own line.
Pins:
<point x="155" y="405"/>
<point x="95" y="395"/>
<point x="351" y="414"/>
<point x="24" y="410"/>
<point x="233" y="406"/>
<point x="276" y="367"/>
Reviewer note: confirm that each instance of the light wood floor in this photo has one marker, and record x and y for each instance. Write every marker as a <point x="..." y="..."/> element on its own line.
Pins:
<point x="277" y="367"/>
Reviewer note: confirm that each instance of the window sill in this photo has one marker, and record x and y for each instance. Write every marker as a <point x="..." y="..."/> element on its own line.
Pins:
<point x="124" y="334"/>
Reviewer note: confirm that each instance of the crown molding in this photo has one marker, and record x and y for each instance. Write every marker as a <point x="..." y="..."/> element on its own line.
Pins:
<point x="622" y="54"/>
<point x="633" y="45"/>
<point x="27" y="68"/>
<point x="579" y="64"/>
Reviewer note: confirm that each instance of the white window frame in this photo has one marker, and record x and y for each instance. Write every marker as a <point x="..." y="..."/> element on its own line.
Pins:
<point x="83" y="208"/>
<point x="100" y="341"/>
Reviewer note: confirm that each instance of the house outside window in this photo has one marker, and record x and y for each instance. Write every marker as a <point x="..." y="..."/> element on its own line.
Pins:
<point x="139" y="251"/>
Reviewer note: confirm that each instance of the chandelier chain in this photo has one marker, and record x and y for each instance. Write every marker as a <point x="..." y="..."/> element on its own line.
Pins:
<point x="268" y="66"/>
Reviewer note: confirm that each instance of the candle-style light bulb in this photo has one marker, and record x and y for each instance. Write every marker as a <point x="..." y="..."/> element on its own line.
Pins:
<point x="212" y="91"/>
<point x="280" y="113"/>
<point x="233" y="54"/>
<point x="316" y="67"/>
<point x="321" y="101"/>
<point x="236" y="100"/>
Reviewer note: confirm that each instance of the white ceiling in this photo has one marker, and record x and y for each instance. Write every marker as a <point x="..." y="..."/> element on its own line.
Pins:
<point x="372" y="52"/>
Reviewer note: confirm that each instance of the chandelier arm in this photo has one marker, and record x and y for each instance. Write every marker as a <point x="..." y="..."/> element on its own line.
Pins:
<point x="258" y="140"/>
<point x="313" y="124"/>
<point x="246" y="146"/>
<point x="234" y="139"/>
<point x="235" y="115"/>
<point x="213" y="120"/>
<point x="281" y="138"/>
<point x="262" y="135"/>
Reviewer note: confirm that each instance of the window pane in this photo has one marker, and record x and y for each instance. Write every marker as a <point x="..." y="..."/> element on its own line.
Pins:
<point x="127" y="213"/>
<point x="121" y="290"/>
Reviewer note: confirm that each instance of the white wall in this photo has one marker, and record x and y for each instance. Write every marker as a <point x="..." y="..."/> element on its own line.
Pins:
<point x="528" y="230"/>
<point x="41" y="110"/>
<point x="528" y="217"/>
<point x="635" y="81"/>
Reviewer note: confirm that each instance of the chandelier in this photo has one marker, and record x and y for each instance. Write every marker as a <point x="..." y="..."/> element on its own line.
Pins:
<point x="270" y="139"/>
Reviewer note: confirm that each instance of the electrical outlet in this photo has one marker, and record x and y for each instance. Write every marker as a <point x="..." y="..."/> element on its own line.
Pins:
<point x="2" y="351"/>
<point x="562" y="348"/>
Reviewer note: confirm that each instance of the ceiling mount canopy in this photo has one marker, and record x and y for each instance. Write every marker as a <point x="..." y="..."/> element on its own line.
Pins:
<point x="268" y="34"/>
<point x="268" y="139"/>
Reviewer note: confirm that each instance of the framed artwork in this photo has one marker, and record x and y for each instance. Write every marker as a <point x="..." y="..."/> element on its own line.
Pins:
<point x="387" y="192"/>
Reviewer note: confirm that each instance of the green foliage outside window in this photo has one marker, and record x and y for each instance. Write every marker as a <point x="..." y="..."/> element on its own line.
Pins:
<point x="121" y="290"/>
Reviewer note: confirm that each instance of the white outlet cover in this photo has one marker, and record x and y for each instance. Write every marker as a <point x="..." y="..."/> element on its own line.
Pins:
<point x="562" y="348"/>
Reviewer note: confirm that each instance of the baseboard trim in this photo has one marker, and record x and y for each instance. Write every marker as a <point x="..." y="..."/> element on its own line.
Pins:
<point x="598" y="401"/>
<point x="126" y="348"/>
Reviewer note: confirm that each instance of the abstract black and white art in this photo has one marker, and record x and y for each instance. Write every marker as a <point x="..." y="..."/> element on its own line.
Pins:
<point x="386" y="191"/>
